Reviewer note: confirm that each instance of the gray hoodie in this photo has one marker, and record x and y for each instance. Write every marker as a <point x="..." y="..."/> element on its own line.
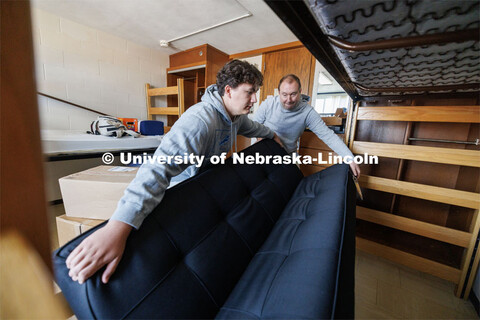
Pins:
<point x="290" y="124"/>
<point x="204" y="129"/>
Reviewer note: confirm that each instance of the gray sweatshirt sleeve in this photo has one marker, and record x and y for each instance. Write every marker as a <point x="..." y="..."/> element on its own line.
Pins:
<point x="316" y="124"/>
<point x="253" y="129"/>
<point x="260" y="115"/>
<point x="146" y="191"/>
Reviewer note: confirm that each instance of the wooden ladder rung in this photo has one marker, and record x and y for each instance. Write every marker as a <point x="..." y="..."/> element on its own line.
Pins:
<point x="170" y="111"/>
<point x="461" y="114"/>
<point x="410" y="260"/>
<point x="421" y="191"/>
<point x="461" y="157"/>
<point x="429" y="230"/>
<point x="163" y="91"/>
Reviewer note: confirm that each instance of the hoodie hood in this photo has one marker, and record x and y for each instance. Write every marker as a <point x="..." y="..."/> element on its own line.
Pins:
<point x="212" y="97"/>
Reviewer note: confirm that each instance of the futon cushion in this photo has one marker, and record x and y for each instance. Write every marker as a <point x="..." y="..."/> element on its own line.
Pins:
<point x="296" y="272"/>
<point x="192" y="249"/>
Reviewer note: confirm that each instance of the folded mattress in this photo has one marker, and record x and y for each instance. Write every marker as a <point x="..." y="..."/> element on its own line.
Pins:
<point x="70" y="141"/>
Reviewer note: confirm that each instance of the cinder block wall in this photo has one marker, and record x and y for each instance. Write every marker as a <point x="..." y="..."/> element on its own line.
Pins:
<point x="91" y="68"/>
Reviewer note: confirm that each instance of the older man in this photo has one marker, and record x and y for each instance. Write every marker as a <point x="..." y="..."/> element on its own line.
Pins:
<point x="289" y="114"/>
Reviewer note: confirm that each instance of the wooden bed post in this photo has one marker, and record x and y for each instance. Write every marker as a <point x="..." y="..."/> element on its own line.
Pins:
<point x="354" y="125"/>
<point x="25" y="246"/>
<point x="467" y="256"/>
<point x="148" y="101"/>
<point x="181" y="96"/>
<point x="23" y="203"/>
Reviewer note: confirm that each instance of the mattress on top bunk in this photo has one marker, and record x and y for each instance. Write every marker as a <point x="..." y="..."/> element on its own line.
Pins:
<point x="64" y="141"/>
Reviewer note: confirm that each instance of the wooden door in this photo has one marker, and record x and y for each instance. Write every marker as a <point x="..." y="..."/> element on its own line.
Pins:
<point x="298" y="61"/>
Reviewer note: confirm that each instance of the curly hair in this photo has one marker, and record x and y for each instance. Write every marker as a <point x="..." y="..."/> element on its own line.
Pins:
<point x="237" y="72"/>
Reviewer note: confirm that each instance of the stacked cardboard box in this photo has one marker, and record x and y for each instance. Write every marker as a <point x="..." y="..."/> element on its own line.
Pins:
<point x="90" y="197"/>
<point x="69" y="228"/>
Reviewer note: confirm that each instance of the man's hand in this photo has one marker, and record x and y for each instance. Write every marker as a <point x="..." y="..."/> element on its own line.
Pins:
<point x="355" y="169"/>
<point x="103" y="247"/>
<point x="277" y="140"/>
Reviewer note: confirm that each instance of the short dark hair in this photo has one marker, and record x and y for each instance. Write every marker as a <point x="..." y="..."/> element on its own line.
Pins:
<point x="292" y="77"/>
<point x="237" y="72"/>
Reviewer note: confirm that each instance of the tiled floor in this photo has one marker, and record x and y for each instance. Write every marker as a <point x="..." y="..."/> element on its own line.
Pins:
<point x="385" y="290"/>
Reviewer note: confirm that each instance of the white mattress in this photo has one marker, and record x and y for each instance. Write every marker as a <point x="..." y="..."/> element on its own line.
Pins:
<point x="70" y="141"/>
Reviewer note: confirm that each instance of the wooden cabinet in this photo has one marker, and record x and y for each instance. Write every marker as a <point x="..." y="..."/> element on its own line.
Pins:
<point x="311" y="145"/>
<point x="198" y="67"/>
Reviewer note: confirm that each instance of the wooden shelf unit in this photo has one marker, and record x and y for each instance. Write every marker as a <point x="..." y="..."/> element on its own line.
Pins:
<point x="198" y="68"/>
<point x="424" y="156"/>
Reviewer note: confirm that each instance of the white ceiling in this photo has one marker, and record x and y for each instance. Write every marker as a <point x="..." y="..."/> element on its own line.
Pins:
<point x="148" y="21"/>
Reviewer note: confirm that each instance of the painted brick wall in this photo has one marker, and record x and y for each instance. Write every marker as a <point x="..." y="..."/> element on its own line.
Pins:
<point x="91" y="68"/>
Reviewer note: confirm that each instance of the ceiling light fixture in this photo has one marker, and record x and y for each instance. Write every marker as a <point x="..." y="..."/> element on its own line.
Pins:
<point x="167" y="43"/>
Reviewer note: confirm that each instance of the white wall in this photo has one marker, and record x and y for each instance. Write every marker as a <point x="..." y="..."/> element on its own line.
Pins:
<point x="93" y="69"/>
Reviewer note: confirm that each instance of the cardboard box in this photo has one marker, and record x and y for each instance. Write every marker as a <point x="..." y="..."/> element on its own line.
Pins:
<point x="94" y="193"/>
<point x="68" y="228"/>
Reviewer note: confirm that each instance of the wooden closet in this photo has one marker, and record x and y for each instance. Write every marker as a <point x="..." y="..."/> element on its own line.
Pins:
<point x="277" y="64"/>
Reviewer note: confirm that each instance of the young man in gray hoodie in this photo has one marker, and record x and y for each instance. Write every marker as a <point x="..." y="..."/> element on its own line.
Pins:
<point x="289" y="114"/>
<point x="208" y="128"/>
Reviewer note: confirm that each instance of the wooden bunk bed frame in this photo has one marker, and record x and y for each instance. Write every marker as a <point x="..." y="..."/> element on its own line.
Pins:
<point x="461" y="157"/>
<point x="177" y="90"/>
<point x="462" y="276"/>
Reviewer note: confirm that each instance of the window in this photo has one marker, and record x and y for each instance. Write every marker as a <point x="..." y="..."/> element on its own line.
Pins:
<point x="329" y="95"/>
<point x="327" y="103"/>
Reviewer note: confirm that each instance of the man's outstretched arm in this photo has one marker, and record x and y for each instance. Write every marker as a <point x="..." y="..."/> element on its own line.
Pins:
<point x="102" y="248"/>
<point x="105" y="246"/>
